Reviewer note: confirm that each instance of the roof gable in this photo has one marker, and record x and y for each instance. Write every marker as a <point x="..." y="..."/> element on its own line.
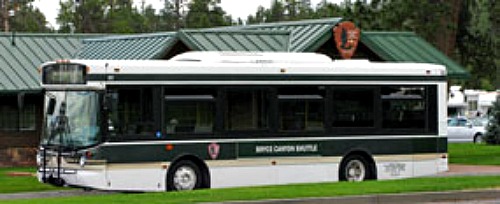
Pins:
<point x="409" y="47"/>
<point x="306" y="35"/>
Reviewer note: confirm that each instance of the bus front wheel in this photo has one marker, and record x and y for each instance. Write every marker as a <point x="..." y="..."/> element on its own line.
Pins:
<point x="355" y="168"/>
<point x="184" y="175"/>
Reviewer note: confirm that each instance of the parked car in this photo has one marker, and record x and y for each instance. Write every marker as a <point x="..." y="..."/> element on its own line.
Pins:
<point x="464" y="130"/>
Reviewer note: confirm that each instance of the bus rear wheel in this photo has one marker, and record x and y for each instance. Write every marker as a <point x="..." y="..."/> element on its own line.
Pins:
<point x="184" y="175"/>
<point x="355" y="168"/>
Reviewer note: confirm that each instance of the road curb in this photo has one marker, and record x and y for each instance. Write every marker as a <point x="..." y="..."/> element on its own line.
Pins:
<point x="423" y="197"/>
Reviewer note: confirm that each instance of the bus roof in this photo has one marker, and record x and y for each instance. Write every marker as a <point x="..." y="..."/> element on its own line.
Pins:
<point x="253" y="57"/>
<point x="241" y="65"/>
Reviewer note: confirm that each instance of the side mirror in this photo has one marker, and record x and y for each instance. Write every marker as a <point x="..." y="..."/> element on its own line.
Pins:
<point x="51" y="106"/>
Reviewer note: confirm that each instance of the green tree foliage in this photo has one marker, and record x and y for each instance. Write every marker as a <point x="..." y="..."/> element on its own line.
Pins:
<point x="287" y="10"/>
<point x="151" y="21"/>
<point x="26" y="17"/>
<point x="326" y="9"/>
<point x="83" y="16"/>
<point x="276" y="13"/>
<point x="260" y="16"/>
<point x="122" y="18"/>
<point x="206" y="14"/>
<point x="169" y="17"/>
<point x="105" y="16"/>
<point x="29" y="19"/>
<point x="492" y="135"/>
<point x="478" y="42"/>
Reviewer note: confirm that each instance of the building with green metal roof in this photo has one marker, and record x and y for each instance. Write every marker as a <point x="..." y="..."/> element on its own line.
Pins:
<point x="20" y="93"/>
<point x="295" y="36"/>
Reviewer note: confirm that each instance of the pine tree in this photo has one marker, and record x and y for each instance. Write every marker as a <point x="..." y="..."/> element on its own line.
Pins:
<point x="492" y="135"/>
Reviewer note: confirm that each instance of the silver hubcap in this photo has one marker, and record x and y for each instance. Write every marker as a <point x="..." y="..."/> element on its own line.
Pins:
<point x="355" y="170"/>
<point x="185" y="178"/>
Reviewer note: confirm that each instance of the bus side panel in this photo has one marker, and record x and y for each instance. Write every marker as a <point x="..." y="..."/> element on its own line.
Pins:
<point x="388" y="168"/>
<point x="223" y="177"/>
<point x="91" y="177"/>
<point x="136" y="177"/>
<point x="242" y="176"/>
<point x="308" y="173"/>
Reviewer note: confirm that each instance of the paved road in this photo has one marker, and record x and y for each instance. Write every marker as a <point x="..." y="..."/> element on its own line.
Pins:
<point x="477" y="196"/>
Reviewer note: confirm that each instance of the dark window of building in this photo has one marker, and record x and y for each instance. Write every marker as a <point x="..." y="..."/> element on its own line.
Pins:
<point x="246" y="109"/>
<point x="27" y="117"/>
<point x="353" y="107"/>
<point x="15" y="117"/>
<point x="301" y="109"/>
<point x="403" y="107"/>
<point x="189" y="110"/>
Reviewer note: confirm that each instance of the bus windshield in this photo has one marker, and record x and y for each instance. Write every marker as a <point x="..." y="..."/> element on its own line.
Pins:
<point x="72" y="119"/>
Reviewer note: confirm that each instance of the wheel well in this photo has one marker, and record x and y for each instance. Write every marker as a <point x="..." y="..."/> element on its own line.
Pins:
<point x="368" y="157"/>
<point x="200" y="163"/>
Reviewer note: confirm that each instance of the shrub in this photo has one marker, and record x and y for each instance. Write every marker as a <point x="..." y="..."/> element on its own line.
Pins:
<point x="492" y="135"/>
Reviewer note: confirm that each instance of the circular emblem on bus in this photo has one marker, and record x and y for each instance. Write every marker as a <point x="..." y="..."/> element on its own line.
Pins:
<point x="346" y="36"/>
<point x="213" y="150"/>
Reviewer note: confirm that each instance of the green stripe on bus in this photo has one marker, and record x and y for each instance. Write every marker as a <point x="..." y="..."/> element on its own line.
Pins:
<point x="136" y="153"/>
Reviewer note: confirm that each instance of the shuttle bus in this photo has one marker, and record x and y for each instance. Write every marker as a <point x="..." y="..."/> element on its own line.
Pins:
<point x="228" y="119"/>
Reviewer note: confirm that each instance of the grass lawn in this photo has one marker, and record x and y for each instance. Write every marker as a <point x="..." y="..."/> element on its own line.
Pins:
<point x="286" y="192"/>
<point x="16" y="184"/>
<point x="459" y="154"/>
<point x="474" y="154"/>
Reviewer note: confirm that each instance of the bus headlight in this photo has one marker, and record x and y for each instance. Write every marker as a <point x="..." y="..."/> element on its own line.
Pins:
<point x="83" y="160"/>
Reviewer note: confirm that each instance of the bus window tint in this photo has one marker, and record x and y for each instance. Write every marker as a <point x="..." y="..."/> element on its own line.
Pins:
<point x="246" y="109"/>
<point x="353" y="107"/>
<point x="189" y="111"/>
<point x="134" y="112"/>
<point x="403" y="107"/>
<point x="301" y="110"/>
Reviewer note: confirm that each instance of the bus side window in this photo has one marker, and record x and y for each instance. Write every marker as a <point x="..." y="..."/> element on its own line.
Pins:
<point x="133" y="114"/>
<point x="404" y="107"/>
<point x="301" y="109"/>
<point x="189" y="110"/>
<point x="246" y="109"/>
<point x="353" y="107"/>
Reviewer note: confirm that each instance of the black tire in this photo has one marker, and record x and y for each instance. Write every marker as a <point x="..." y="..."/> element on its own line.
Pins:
<point x="184" y="175"/>
<point x="355" y="168"/>
<point x="478" y="138"/>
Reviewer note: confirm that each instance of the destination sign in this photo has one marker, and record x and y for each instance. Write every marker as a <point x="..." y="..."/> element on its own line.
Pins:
<point x="286" y="148"/>
<point x="279" y="149"/>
